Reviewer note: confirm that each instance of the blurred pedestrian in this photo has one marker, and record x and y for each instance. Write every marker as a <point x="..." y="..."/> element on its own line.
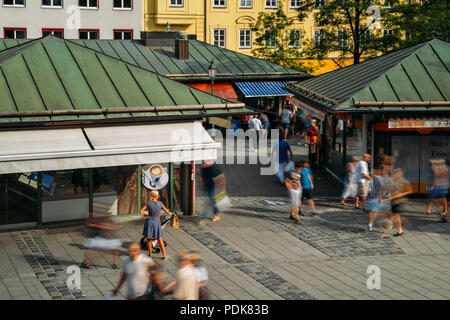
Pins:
<point x="99" y="239"/>
<point x="282" y="153"/>
<point x="379" y="203"/>
<point x="156" y="291"/>
<point x="293" y="185"/>
<point x="186" y="286"/>
<point x="244" y="122"/>
<point x="362" y="178"/>
<point x="152" y="227"/>
<point x="292" y="123"/>
<point x="256" y="128"/>
<point x="136" y="273"/>
<point x="313" y="135"/>
<point x="300" y="127"/>
<point x="439" y="188"/>
<point x="212" y="179"/>
<point x="285" y="122"/>
<point x="351" y="187"/>
<point x="202" y="277"/>
<point x="401" y="188"/>
<point x="306" y="180"/>
<point x="266" y="124"/>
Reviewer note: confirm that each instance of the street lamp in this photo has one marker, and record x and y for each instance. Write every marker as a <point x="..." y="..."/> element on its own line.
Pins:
<point x="212" y="74"/>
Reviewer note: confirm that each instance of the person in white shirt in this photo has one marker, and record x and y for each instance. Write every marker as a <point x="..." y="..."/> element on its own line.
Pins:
<point x="202" y="277"/>
<point x="255" y="126"/>
<point x="351" y="187"/>
<point x="186" y="283"/>
<point x="136" y="272"/>
<point x="362" y="177"/>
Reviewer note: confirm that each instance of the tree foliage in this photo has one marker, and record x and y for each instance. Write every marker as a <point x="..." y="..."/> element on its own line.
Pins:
<point x="349" y="28"/>
<point x="420" y="20"/>
<point x="275" y="41"/>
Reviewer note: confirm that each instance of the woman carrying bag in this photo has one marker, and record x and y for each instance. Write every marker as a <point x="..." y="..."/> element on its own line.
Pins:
<point x="152" y="226"/>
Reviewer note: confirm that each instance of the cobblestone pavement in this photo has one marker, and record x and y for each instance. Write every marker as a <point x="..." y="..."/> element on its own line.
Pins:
<point x="255" y="251"/>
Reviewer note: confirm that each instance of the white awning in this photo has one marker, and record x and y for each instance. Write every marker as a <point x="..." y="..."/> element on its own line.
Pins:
<point x="61" y="149"/>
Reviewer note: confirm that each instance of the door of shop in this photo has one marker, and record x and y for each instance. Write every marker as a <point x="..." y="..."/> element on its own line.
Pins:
<point x="413" y="154"/>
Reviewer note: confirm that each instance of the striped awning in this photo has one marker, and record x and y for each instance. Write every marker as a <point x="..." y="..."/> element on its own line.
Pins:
<point x="263" y="89"/>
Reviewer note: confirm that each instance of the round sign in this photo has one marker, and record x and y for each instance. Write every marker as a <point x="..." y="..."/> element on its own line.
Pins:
<point x="155" y="177"/>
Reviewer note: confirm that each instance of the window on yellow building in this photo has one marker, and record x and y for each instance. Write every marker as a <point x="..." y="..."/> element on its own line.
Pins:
<point x="271" y="39"/>
<point x="319" y="3"/>
<point x="245" y="38"/>
<point x="245" y="3"/>
<point x="388" y="4"/>
<point x="319" y="36"/>
<point x="219" y="38"/>
<point x="343" y="38"/>
<point x="271" y="4"/>
<point x="219" y="3"/>
<point x="176" y="3"/>
<point x="295" y="36"/>
<point x="388" y="32"/>
<point x="296" y="4"/>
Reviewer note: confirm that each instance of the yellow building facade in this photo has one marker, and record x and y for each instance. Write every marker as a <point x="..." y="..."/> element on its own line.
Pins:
<point x="226" y="23"/>
<point x="222" y="22"/>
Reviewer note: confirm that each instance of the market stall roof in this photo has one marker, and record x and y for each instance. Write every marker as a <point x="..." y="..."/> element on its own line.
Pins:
<point x="230" y="65"/>
<point x="51" y="80"/>
<point x="252" y="89"/>
<point x="107" y="146"/>
<point x="411" y="79"/>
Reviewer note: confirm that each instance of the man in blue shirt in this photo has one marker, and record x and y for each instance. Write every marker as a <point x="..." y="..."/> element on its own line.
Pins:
<point x="284" y="153"/>
<point x="306" y="180"/>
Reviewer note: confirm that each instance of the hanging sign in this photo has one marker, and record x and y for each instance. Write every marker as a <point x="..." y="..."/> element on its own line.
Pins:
<point x="155" y="177"/>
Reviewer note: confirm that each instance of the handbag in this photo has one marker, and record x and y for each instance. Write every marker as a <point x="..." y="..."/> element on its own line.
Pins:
<point x="174" y="222"/>
<point x="222" y="201"/>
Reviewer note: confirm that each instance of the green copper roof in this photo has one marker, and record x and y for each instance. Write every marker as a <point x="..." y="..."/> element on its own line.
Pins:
<point x="416" y="74"/>
<point x="55" y="74"/>
<point x="162" y="60"/>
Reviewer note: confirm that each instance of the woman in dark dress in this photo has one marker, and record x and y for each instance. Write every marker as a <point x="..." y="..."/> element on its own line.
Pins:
<point x="152" y="227"/>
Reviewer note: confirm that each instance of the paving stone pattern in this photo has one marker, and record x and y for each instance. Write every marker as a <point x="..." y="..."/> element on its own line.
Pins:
<point x="262" y="275"/>
<point x="51" y="275"/>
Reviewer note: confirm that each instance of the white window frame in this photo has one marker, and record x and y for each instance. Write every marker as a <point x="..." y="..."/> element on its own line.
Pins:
<point x="89" y="34"/>
<point x="15" y="32"/>
<point x="295" y="4"/>
<point x="122" y="32"/>
<point x="315" y="34"/>
<point x="299" y="39"/>
<point x="122" y="7"/>
<point x="344" y="40"/>
<point x="247" y="34"/>
<point x="88" y="7"/>
<point x="219" y="3"/>
<point x="52" y="6"/>
<point x="388" y="32"/>
<point x="243" y="4"/>
<point x="219" y="30"/>
<point x="269" y="44"/>
<point x="14" y="5"/>
<point x="52" y="32"/>
<point x="271" y="4"/>
<point x="387" y="5"/>
<point x="176" y="3"/>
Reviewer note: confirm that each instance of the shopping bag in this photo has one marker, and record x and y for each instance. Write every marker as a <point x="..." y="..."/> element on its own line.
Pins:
<point x="223" y="202"/>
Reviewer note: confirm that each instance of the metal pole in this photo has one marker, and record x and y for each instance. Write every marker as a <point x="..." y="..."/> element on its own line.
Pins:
<point x="212" y="86"/>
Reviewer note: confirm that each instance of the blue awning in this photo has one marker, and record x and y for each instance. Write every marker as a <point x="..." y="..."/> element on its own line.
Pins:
<point x="263" y="89"/>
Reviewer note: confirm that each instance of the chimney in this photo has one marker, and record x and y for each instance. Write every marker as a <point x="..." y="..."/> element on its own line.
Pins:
<point x="182" y="47"/>
<point x="175" y="39"/>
